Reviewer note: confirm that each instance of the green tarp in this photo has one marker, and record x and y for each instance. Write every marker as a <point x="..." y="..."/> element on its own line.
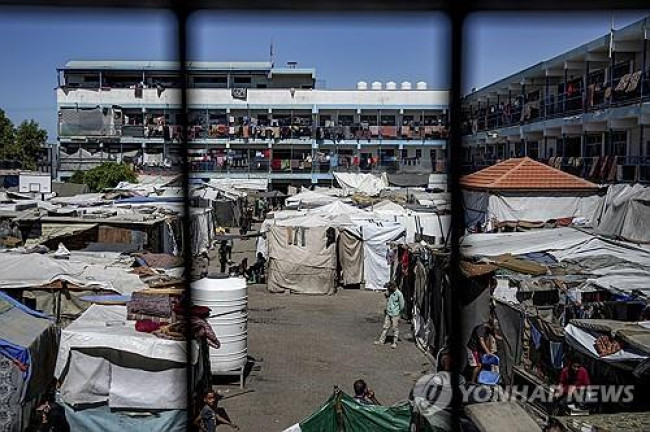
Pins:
<point x="341" y="413"/>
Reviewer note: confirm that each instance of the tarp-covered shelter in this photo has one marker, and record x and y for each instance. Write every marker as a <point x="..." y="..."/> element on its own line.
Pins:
<point x="28" y="346"/>
<point x="362" y="250"/>
<point x="524" y="190"/>
<point x="302" y="255"/>
<point x="107" y="369"/>
<point x="625" y="213"/>
<point x="342" y="413"/>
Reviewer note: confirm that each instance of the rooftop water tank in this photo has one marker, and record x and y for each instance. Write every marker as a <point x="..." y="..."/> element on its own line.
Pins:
<point x="391" y="85"/>
<point x="362" y="85"/>
<point x="421" y="85"/>
<point x="227" y="299"/>
<point x="376" y="85"/>
<point x="406" y="85"/>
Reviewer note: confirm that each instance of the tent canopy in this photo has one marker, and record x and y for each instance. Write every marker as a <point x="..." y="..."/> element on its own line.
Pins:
<point x="354" y="417"/>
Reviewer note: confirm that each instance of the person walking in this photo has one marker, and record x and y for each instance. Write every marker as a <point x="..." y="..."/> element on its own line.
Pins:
<point x="394" y="308"/>
<point x="223" y="255"/>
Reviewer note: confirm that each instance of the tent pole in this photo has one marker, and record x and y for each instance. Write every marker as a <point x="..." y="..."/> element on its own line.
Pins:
<point x="58" y="303"/>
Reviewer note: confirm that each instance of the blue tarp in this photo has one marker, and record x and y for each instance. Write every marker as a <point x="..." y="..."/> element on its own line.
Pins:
<point x="12" y="350"/>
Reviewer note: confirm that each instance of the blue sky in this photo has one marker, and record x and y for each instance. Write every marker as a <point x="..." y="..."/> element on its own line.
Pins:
<point x="343" y="49"/>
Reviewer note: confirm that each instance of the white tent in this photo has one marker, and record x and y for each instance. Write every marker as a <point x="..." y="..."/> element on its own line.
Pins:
<point x="302" y="259"/>
<point x="103" y="359"/>
<point x="375" y="236"/>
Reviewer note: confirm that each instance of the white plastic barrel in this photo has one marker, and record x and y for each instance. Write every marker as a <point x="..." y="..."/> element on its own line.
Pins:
<point x="227" y="299"/>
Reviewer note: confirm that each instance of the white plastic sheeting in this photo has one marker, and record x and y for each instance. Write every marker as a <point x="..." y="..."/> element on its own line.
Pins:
<point x="107" y="327"/>
<point x="260" y="184"/>
<point x="535" y="208"/>
<point x="94" y="350"/>
<point x="588" y="341"/>
<point x="309" y="199"/>
<point x="483" y="206"/>
<point x="375" y="251"/>
<point x="34" y="270"/>
<point x="362" y="183"/>
<point x="625" y="213"/>
<point x="517" y="243"/>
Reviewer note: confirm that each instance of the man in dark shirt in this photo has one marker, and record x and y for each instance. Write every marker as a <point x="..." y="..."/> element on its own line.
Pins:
<point x="363" y="394"/>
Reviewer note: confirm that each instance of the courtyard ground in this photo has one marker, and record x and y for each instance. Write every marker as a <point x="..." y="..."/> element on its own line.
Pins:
<point x="303" y="346"/>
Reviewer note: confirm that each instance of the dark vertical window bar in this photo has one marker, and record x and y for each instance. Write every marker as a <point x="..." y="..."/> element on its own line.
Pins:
<point x="456" y="17"/>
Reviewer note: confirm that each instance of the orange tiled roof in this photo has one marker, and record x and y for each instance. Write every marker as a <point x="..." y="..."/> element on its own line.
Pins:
<point x="524" y="174"/>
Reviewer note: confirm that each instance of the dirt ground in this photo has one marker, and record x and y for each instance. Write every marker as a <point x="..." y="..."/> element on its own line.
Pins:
<point x="303" y="346"/>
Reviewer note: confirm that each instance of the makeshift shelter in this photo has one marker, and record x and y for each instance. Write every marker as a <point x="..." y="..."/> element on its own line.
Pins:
<point x="28" y="346"/>
<point x="432" y="226"/>
<point x="524" y="190"/>
<point x="342" y="413"/>
<point x="625" y="213"/>
<point x="376" y="236"/>
<point x="302" y="255"/>
<point x="108" y="369"/>
<point x="360" y="254"/>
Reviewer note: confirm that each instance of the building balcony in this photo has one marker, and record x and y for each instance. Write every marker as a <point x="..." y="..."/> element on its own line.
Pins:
<point x="629" y="89"/>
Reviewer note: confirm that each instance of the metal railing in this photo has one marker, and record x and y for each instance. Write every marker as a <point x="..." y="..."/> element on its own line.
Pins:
<point x="624" y="90"/>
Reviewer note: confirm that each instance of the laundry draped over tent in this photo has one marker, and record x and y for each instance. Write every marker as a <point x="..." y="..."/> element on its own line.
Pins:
<point x="104" y="361"/>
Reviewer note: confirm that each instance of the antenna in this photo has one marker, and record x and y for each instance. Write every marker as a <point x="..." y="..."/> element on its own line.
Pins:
<point x="271" y="52"/>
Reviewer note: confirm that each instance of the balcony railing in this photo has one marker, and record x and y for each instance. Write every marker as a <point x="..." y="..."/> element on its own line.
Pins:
<point x="627" y="89"/>
<point x="599" y="169"/>
<point x="301" y="166"/>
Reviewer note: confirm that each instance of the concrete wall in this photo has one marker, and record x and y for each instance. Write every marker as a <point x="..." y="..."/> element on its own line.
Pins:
<point x="268" y="98"/>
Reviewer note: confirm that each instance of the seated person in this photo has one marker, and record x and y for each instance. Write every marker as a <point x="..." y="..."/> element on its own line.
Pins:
<point x="573" y="378"/>
<point x="257" y="269"/>
<point x="363" y="394"/>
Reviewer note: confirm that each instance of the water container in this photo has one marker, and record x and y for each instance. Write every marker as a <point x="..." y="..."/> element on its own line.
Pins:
<point x="391" y="85"/>
<point x="406" y="85"/>
<point x="376" y="85"/>
<point x="227" y="299"/>
<point x="421" y="85"/>
<point x="362" y="85"/>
